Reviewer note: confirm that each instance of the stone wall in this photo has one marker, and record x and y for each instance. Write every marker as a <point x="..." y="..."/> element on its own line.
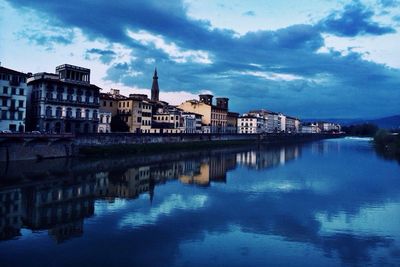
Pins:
<point x="28" y="148"/>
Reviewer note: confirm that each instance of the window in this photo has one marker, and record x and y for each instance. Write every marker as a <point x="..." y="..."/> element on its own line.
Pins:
<point x="12" y="115"/>
<point x="104" y="103"/>
<point x="49" y="111"/>
<point x="59" y="96"/>
<point x="5" y="90"/>
<point x="111" y="104"/>
<point x="87" y="112"/>
<point x="58" y="112"/>
<point x="21" y="103"/>
<point x="4" y="114"/>
<point x="78" y="113"/>
<point x="4" y="102"/>
<point x="69" y="112"/>
<point x="20" y="115"/>
<point x="13" y="90"/>
<point x="95" y="114"/>
<point x="21" y="91"/>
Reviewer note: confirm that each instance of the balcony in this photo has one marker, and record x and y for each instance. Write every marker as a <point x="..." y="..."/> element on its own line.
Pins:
<point x="71" y="102"/>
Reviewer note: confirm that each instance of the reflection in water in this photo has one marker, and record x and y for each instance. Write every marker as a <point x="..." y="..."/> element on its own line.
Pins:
<point x="327" y="203"/>
<point x="60" y="198"/>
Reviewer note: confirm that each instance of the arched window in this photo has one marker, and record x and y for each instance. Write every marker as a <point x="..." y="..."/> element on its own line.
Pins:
<point x="95" y="114"/>
<point x="58" y="112"/>
<point x="101" y="118"/>
<point x="49" y="111"/>
<point x="87" y="112"/>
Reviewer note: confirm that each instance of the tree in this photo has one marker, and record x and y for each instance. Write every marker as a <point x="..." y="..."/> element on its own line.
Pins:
<point x="118" y="125"/>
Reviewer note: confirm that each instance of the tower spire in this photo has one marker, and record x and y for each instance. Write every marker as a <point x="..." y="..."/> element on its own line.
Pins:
<point x="155" y="90"/>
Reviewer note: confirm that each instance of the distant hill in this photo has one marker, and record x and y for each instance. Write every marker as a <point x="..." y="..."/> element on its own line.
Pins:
<point x="391" y="122"/>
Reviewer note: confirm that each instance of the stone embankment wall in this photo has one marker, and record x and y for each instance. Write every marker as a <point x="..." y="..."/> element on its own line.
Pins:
<point x="28" y="147"/>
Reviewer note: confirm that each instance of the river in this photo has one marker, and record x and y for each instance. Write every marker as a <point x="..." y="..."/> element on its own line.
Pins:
<point x="326" y="203"/>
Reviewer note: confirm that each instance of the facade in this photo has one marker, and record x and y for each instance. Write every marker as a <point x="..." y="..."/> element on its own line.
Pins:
<point x="14" y="100"/>
<point x="231" y="122"/>
<point x="251" y="124"/>
<point x="292" y="125"/>
<point x="64" y="102"/>
<point x="310" y="128"/>
<point x="109" y="101"/>
<point x="104" y="122"/>
<point x="191" y="122"/>
<point x="168" y="119"/>
<point x="214" y="117"/>
<point x="329" y="127"/>
<point x="136" y="112"/>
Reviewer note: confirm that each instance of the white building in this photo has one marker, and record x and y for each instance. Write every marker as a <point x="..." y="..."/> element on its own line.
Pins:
<point x="310" y="128"/>
<point x="14" y="100"/>
<point x="191" y="122"/>
<point x="104" y="122"/>
<point x="251" y="124"/>
<point x="65" y="101"/>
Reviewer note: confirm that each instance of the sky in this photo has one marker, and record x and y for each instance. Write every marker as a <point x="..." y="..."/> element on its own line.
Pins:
<point x="310" y="59"/>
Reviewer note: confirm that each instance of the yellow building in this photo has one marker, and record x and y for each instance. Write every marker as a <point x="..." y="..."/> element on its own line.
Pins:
<point x="214" y="116"/>
<point x="136" y="112"/>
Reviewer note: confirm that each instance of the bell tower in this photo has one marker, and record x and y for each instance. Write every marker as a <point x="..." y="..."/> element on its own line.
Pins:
<point x="155" y="90"/>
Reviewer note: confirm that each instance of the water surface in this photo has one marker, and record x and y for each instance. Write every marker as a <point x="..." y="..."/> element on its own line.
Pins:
<point x="327" y="203"/>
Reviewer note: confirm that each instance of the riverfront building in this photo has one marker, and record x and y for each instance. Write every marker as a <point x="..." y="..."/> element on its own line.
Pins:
<point x="14" y="100"/>
<point x="251" y="124"/>
<point x="214" y="116"/>
<point x="64" y="102"/>
<point x="109" y="101"/>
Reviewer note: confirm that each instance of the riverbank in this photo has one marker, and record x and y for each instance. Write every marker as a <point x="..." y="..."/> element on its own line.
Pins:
<point x="201" y="142"/>
<point x="33" y="147"/>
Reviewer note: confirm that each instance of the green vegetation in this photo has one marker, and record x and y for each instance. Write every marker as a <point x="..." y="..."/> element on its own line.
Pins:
<point x="118" y="125"/>
<point x="366" y="129"/>
<point x="387" y="144"/>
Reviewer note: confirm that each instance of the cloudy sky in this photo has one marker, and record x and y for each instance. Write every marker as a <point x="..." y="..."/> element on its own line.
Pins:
<point x="308" y="58"/>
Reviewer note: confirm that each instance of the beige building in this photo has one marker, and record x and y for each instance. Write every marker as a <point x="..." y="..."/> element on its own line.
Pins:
<point x="136" y="112"/>
<point x="214" y="116"/>
<point x="109" y="101"/>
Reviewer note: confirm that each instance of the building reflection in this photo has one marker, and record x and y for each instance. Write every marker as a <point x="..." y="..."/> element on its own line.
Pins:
<point x="262" y="159"/>
<point x="59" y="201"/>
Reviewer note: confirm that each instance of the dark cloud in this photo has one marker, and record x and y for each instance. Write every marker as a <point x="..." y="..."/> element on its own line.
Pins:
<point x="355" y="19"/>
<point x="105" y="56"/>
<point x="332" y="81"/>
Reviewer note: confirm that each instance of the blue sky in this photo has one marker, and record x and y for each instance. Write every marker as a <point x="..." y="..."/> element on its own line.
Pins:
<point x="312" y="59"/>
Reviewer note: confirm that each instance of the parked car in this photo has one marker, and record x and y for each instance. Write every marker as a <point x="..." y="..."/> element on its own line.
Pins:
<point x="6" y="131"/>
